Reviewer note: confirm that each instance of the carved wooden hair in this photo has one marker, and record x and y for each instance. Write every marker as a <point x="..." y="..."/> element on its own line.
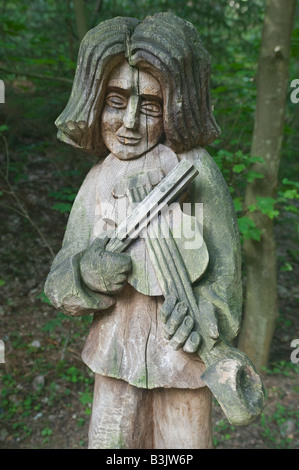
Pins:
<point x="168" y="47"/>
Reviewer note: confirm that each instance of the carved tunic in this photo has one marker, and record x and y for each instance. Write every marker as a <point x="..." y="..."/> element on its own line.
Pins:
<point x="126" y="339"/>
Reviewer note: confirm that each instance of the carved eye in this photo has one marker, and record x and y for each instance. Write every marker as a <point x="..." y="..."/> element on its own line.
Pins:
<point x="151" y="108"/>
<point x="116" y="101"/>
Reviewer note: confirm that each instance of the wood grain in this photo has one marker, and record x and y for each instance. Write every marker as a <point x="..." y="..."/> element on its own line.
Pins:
<point x="132" y="418"/>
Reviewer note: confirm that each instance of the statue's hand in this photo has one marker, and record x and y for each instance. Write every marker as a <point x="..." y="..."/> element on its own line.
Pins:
<point x="104" y="271"/>
<point x="179" y="325"/>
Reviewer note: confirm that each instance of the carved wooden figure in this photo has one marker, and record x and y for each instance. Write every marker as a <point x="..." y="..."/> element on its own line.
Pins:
<point x="152" y="245"/>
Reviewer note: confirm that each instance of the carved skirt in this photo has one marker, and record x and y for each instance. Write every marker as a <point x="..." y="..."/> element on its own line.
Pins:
<point x="127" y="342"/>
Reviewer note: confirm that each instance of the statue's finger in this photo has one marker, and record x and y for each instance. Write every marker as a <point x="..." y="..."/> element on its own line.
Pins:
<point x="192" y="343"/>
<point x="209" y="311"/>
<point x="175" y="318"/>
<point x="167" y="307"/>
<point x="182" y="333"/>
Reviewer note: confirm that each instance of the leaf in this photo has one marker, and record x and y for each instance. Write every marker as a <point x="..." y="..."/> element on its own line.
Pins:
<point x="85" y="397"/>
<point x="257" y="160"/>
<point x="286" y="181"/>
<point x="291" y="194"/>
<point x="252" y="175"/>
<point x="65" y="194"/>
<point x="42" y="296"/>
<point x="252" y="207"/>
<point x="292" y="209"/>
<point x="52" y="324"/>
<point x="266" y="206"/>
<point x="286" y="267"/>
<point x="238" y="204"/>
<point x="248" y="229"/>
<point x="220" y="89"/>
<point x="32" y="61"/>
<point x="241" y="155"/>
<point x="2" y="282"/>
<point x="238" y="168"/>
<point x="46" y="432"/>
<point x="3" y="128"/>
<point x="13" y="27"/>
<point x="7" y="45"/>
<point x="62" y="207"/>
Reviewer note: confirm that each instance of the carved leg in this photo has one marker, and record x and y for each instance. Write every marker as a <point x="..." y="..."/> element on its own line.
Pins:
<point x="121" y="417"/>
<point x="182" y="418"/>
<point x="127" y="417"/>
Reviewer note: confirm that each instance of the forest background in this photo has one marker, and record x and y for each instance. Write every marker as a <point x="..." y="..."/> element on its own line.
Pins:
<point x="45" y="389"/>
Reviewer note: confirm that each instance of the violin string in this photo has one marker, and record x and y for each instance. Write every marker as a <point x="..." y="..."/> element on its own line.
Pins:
<point x="171" y="269"/>
<point x="157" y="260"/>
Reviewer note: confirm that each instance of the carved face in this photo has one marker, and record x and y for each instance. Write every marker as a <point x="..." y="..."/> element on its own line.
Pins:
<point x="132" y="117"/>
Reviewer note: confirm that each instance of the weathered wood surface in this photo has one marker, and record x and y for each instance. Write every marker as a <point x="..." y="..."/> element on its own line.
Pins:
<point x="128" y="343"/>
<point x="230" y="374"/>
<point x="153" y="202"/>
<point x="129" y="417"/>
<point x="141" y="92"/>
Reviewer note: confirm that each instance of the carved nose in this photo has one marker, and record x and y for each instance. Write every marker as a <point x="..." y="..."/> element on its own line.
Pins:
<point x="131" y="117"/>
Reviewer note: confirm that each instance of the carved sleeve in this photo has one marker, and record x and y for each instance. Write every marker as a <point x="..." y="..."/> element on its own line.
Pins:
<point x="64" y="286"/>
<point x="221" y="283"/>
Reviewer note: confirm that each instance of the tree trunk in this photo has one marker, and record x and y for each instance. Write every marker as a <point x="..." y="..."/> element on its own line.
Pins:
<point x="80" y="18"/>
<point x="260" y="257"/>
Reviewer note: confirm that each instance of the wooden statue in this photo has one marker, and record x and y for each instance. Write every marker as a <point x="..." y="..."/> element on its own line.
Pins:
<point x="165" y="305"/>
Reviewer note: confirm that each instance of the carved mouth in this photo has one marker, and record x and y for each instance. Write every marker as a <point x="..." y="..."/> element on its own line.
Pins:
<point x="128" y="140"/>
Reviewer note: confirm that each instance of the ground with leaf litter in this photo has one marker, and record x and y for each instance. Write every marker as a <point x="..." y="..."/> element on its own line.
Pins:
<point x="46" y="390"/>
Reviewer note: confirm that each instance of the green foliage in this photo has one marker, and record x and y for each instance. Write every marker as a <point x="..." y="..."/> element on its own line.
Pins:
<point x="46" y="432"/>
<point x="73" y="374"/>
<point x="236" y="169"/>
<point x="85" y="399"/>
<point x="56" y="322"/>
<point x="229" y="29"/>
<point x="274" y="426"/>
<point x="286" y="267"/>
<point x="65" y="197"/>
<point x="22" y="406"/>
<point x="65" y="194"/>
<point x="265" y="205"/>
<point x="248" y="229"/>
<point x="12" y="405"/>
<point x="42" y="296"/>
<point x="3" y="128"/>
<point x="295" y="43"/>
<point x="62" y="207"/>
<point x="289" y="190"/>
<point x="282" y="367"/>
<point x="223" y="431"/>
